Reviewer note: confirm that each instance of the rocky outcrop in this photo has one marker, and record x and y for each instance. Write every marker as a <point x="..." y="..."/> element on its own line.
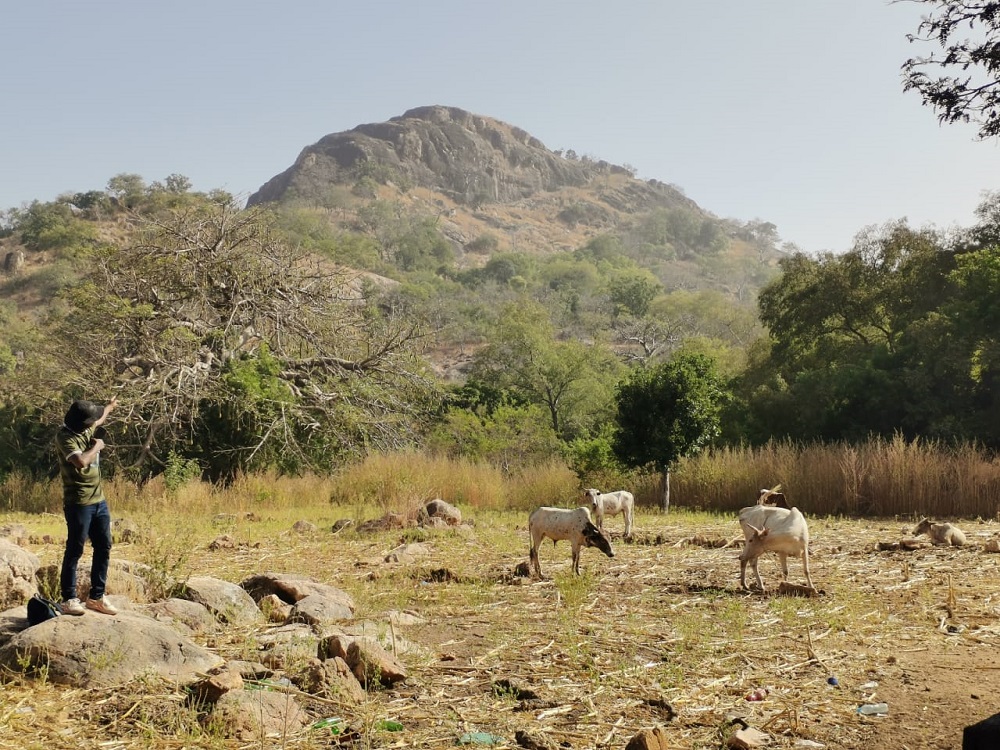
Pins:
<point x="469" y="158"/>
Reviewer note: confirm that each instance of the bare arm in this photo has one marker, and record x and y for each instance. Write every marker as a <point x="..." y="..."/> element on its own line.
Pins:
<point x="81" y="460"/>
<point x="107" y="410"/>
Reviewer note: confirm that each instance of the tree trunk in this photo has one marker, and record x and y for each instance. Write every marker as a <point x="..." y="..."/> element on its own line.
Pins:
<point x="666" y="491"/>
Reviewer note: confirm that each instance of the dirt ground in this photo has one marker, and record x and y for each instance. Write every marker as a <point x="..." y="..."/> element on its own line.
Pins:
<point x="934" y="693"/>
<point x="659" y="635"/>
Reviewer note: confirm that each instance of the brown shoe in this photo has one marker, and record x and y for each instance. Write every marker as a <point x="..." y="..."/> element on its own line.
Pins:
<point x="102" y="605"/>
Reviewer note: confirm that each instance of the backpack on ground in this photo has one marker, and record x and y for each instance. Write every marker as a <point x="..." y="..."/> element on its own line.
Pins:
<point x="41" y="609"/>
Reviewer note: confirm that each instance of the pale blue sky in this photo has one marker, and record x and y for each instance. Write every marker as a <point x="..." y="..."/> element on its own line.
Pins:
<point x="790" y="111"/>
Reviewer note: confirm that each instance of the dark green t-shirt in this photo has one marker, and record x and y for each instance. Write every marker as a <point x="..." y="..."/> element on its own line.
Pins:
<point x="80" y="486"/>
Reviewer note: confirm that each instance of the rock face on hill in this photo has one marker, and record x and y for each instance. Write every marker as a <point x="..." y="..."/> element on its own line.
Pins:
<point x="466" y="157"/>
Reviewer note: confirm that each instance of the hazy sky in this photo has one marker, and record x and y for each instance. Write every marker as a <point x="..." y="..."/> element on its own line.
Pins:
<point x="790" y="111"/>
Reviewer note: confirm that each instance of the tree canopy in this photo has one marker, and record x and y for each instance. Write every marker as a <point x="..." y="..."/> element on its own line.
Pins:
<point x="960" y="79"/>
<point x="668" y="411"/>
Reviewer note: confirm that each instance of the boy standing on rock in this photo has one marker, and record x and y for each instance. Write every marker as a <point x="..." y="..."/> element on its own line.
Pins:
<point x="84" y="504"/>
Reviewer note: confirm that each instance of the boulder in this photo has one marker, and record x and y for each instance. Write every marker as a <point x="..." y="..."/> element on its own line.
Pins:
<point x="291" y="588"/>
<point x="12" y="622"/>
<point x="406" y="553"/>
<point x="274" y="608"/>
<point x="371" y="663"/>
<point x="17" y="574"/>
<point x="333" y="679"/>
<point x="438" y="508"/>
<point x="258" y="716"/>
<point x="125" y="531"/>
<point x="229" y="603"/>
<point x="188" y="617"/>
<point x="98" y="651"/>
<point x="649" y="739"/>
<point x="219" y="681"/>
<point x="320" y="609"/>
<point x="294" y="643"/>
<point x="15" y="533"/>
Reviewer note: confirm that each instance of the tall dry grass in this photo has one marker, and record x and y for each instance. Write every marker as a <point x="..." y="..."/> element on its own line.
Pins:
<point x="402" y="482"/>
<point x="883" y="477"/>
<point x="893" y="477"/>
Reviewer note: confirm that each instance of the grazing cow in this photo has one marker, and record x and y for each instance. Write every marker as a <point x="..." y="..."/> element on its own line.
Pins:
<point x="562" y="523"/>
<point x="769" y="529"/>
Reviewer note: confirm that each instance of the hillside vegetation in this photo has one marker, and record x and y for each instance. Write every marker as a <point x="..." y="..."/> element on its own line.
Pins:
<point x="445" y="283"/>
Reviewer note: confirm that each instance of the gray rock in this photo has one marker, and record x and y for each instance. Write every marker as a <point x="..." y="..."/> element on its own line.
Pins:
<point x="372" y="664"/>
<point x="12" y="622"/>
<point x="17" y="574"/>
<point x="97" y="650"/>
<point x="287" y="645"/>
<point x="333" y="679"/>
<point x="438" y="508"/>
<point x="291" y="588"/>
<point x="274" y="608"/>
<point x="258" y="716"/>
<point x="319" y="609"/>
<point x="229" y="603"/>
<point x="190" y="618"/>
<point x="407" y="553"/>
<point x="220" y="681"/>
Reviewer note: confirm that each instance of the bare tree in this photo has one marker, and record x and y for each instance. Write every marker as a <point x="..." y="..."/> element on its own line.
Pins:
<point x="218" y="336"/>
<point x="648" y="338"/>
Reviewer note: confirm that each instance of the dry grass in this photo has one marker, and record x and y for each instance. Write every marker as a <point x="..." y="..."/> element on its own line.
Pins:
<point x="662" y="624"/>
<point x="659" y="629"/>
<point x="880" y="478"/>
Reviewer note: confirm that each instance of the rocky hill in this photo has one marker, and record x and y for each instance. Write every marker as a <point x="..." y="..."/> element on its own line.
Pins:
<point x="479" y="174"/>
<point x="468" y="158"/>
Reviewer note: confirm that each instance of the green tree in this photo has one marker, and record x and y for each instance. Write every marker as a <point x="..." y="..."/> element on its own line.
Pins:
<point x="960" y="79"/>
<point x="666" y="412"/>
<point x="632" y="293"/>
<point x="128" y="188"/>
<point x="177" y="183"/>
<point x="862" y="343"/>
<point x="52" y="226"/>
<point x="573" y="381"/>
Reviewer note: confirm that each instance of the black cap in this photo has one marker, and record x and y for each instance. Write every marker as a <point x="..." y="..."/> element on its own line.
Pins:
<point x="82" y="414"/>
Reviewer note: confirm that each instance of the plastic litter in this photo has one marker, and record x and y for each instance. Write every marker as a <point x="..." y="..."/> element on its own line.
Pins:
<point x="873" y="709"/>
<point x="389" y="725"/>
<point x="281" y="682"/>
<point x="757" y="695"/>
<point x="480" y="738"/>
<point x="832" y="681"/>
<point x="331" y="722"/>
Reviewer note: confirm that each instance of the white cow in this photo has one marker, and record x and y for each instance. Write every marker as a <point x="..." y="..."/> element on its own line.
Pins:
<point x="769" y="529"/>
<point x="563" y="523"/>
<point x="611" y="504"/>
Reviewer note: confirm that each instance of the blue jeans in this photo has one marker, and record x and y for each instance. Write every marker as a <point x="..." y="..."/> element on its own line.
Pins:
<point x="86" y="522"/>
